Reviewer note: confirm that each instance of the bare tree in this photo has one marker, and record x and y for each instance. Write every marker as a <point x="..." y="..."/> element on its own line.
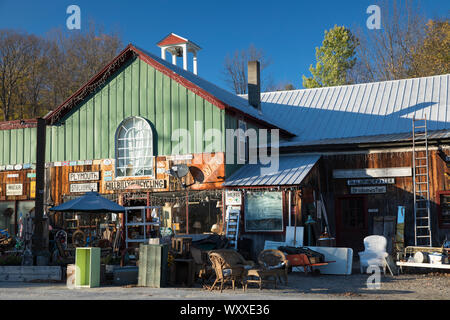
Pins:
<point x="235" y="67"/>
<point x="387" y="54"/>
<point x="77" y="56"/>
<point x="15" y="50"/>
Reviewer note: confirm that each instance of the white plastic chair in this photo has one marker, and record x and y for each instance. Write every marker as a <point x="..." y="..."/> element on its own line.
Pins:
<point x="374" y="253"/>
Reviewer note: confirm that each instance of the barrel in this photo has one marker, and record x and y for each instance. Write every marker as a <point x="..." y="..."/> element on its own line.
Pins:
<point x="421" y="257"/>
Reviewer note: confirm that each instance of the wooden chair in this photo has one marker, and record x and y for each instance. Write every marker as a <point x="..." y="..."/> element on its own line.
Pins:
<point x="272" y="265"/>
<point x="229" y="266"/>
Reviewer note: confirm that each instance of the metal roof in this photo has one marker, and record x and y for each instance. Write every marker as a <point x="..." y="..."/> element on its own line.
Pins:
<point x="292" y="169"/>
<point x="382" y="138"/>
<point x="223" y="95"/>
<point x="360" y="110"/>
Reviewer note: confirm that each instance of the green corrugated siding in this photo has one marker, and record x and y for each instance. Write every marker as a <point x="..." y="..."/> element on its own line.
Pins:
<point x="89" y="131"/>
<point x="18" y="146"/>
<point x="137" y="90"/>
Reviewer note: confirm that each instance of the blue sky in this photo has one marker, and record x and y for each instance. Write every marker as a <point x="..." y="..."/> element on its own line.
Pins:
<point x="288" y="31"/>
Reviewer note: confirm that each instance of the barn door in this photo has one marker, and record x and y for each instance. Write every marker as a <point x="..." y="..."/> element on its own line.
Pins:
<point x="351" y="222"/>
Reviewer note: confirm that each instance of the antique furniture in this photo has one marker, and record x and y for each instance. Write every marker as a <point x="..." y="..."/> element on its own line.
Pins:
<point x="374" y="252"/>
<point x="272" y="265"/>
<point x="229" y="266"/>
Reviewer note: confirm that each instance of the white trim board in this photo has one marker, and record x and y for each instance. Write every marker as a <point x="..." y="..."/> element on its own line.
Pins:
<point x="372" y="173"/>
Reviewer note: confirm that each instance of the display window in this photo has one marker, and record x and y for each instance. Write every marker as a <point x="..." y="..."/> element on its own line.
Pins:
<point x="264" y="211"/>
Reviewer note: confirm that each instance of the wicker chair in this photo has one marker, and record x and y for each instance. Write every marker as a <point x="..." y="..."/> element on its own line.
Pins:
<point x="273" y="264"/>
<point x="229" y="266"/>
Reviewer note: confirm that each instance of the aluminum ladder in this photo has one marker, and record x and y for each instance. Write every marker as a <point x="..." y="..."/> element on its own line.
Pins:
<point x="232" y="232"/>
<point x="421" y="184"/>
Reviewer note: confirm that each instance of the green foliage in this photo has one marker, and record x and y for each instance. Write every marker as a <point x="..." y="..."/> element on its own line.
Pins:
<point x="335" y="58"/>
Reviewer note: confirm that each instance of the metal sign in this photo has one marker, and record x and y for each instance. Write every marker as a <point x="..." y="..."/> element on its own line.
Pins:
<point x="33" y="189"/>
<point x="84" y="176"/>
<point x="368" y="190"/>
<point x="372" y="173"/>
<point x="142" y="184"/>
<point x="360" y="182"/>
<point x="83" y="187"/>
<point x="15" y="189"/>
<point x="233" y="198"/>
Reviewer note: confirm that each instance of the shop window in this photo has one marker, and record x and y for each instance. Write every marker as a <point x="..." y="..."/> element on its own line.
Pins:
<point x="263" y="211"/>
<point x="24" y="208"/>
<point x="444" y="210"/>
<point x="134" y="148"/>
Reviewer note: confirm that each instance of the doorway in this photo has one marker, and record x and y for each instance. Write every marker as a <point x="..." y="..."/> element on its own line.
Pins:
<point x="351" y="222"/>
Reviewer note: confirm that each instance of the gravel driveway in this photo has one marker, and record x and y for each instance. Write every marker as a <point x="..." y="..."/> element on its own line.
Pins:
<point x="431" y="286"/>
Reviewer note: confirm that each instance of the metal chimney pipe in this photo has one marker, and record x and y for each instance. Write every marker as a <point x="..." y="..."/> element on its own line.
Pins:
<point x="254" y="84"/>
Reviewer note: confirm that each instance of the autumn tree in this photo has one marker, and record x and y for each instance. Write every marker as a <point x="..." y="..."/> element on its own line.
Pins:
<point x="39" y="73"/>
<point x="235" y="68"/>
<point x="15" y="57"/>
<point x="388" y="53"/>
<point x="335" y="58"/>
<point x="432" y="57"/>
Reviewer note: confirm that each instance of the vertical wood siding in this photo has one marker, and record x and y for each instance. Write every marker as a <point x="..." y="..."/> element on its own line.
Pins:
<point x="89" y="131"/>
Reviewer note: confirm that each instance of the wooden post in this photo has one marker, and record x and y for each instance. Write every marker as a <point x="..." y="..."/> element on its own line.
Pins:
<point x="187" y="212"/>
<point x="39" y="247"/>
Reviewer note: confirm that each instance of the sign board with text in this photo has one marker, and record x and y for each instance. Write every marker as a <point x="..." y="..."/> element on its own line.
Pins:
<point x="15" y="189"/>
<point x="83" y="187"/>
<point x="84" y="176"/>
<point x="141" y="184"/>
<point x="368" y="190"/>
<point x="233" y="198"/>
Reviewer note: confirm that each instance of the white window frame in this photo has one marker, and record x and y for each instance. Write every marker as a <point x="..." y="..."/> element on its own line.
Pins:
<point x="148" y="144"/>
<point x="242" y="141"/>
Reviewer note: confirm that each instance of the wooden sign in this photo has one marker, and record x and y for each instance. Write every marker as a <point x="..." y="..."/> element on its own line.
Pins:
<point x="372" y="173"/>
<point x="142" y="184"/>
<point x="370" y="181"/>
<point x="15" y="189"/>
<point x="84" y="176"/>
<point x="366" y="190"/>
<point x="83" y="187"/>
<point x="233" y="198"/>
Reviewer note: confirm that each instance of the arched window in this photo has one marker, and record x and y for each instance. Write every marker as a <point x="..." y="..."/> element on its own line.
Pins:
<point x="134" y="148"/>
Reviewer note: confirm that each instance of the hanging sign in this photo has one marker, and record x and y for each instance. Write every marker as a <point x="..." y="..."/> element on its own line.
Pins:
<point x="84" y="176"/>
<point x="370" y="181"/>
<point x="233" y="198"/>
<point x="33" y="189"/>
<point x="371" y="189"/>
<point x="15" y="189"/>
<point x="83" y="187"/>
<point x="142" y="184"/>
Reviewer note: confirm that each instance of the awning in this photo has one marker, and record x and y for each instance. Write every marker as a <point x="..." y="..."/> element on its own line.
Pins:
<point x="292" y="169"/>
